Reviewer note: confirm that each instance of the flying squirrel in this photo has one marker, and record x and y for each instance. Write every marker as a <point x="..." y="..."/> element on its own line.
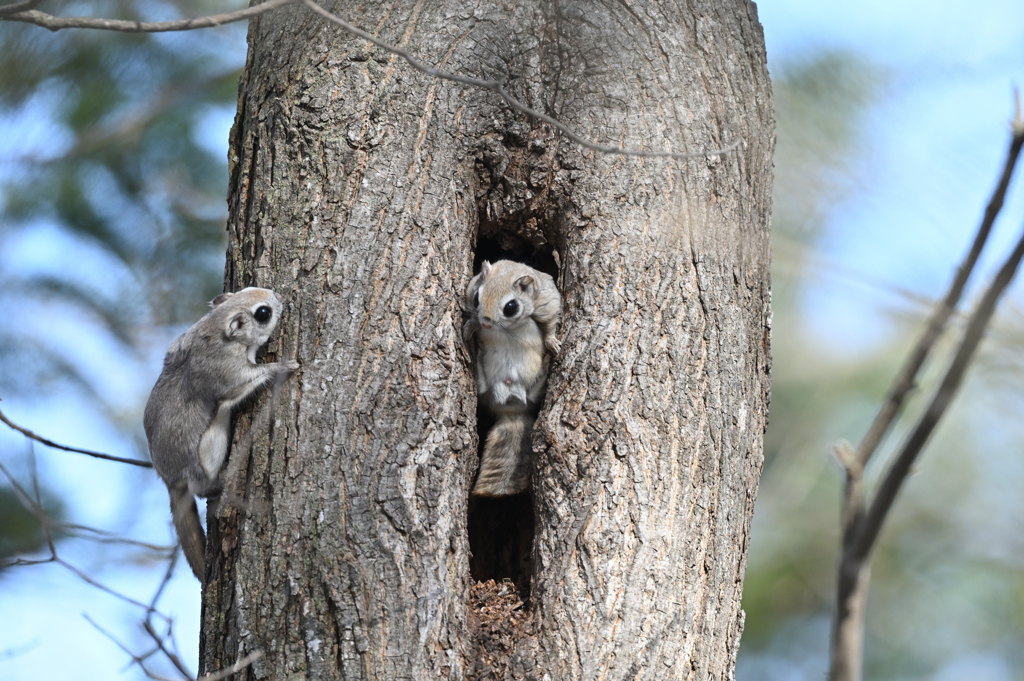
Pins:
<point x="209" y="369"/>
<point x="513" y="314"/>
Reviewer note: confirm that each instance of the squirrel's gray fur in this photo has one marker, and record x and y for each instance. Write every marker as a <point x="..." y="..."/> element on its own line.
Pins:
<point x="208" y="370"/>
<point x="513" y="313"/>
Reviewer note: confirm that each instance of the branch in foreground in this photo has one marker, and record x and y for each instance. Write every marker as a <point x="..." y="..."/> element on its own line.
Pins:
<point x="147" y="622"/>
<point x="50" y="443"/>
<point x="48" y="21"/>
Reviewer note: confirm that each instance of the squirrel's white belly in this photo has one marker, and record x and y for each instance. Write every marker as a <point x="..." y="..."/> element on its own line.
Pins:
<point x="512" y="364"/>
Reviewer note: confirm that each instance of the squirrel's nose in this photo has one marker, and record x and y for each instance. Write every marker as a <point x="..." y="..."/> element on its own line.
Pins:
<point x="486" y="322"/>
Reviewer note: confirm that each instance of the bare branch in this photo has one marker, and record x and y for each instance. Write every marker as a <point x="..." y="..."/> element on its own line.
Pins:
<point x="862" y="523"/>
<point x="499" y="88"/>
<point x="50" y="443"/>
<point x="896" y="475"/>
<point x="853" y="491"/>
<point x="171" y="564"/>
<point x="106" y="589"/>
<point x="907" y="376"/>
<point x="81" y="531"/>
<point x="159" y="640"/>
<point x="141" y="659"/>
<point x="7" y="10"/>
<point x="32" y="506"/>
<point x="48" y="21"/>
<point x="37" y="510"/>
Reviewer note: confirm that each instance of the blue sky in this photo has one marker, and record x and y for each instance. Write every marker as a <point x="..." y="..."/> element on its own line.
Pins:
<point x="933" y="146"/>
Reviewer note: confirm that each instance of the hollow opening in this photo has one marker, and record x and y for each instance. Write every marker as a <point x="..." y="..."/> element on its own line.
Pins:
<point x="501" y="529"/>
<point x="510" y="247"/>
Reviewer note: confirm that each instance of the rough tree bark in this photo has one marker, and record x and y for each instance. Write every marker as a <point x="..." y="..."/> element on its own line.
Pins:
<point x="365" y="192"/>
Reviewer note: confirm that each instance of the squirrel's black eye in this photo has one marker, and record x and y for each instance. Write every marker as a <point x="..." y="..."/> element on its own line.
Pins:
<point x="263" y="314"/>
<point x="476" y="298"/>
<point x="510" y="309"/>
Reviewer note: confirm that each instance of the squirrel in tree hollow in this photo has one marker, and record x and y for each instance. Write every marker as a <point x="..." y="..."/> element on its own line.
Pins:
<point x="513" y="316"/>
<point x="208" y="370"/>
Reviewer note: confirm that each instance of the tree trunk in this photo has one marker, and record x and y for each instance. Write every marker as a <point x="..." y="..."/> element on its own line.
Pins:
<point x="367" y="193"/>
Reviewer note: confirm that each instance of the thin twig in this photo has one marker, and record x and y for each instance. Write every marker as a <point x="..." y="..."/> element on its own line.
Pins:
<point x="498" y="87"/>
<point x="106" y="589"/>
<point x="159" y="640"/>
<point x="171" y="564"/>
<point x="853" y="492"/>
<point x="104" y="537"/>
<point x="39" y="500"/>
<point x="34" y="504"/>
<point x="30" y="505"/>
<point x="147" y="623"/>
<point x="48" y="21"/>
<point x="50" y="443"/>
<point x="11" y="653"/>
<point x="139" y="660"/>
<point x="37" y="510"/>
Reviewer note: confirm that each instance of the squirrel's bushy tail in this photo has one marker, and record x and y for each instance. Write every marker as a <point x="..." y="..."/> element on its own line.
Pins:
<point x="188" y="527"/>
<point x="505" y="464"/>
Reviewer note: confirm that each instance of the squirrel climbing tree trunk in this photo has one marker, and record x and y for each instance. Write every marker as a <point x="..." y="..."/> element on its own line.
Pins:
<point x="366" y="192"/>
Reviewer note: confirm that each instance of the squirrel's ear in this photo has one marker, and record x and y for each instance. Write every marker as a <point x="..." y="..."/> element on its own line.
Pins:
<point x="220" y="299"/>
<point x="525" y="283"/>
<point x="485" y="269"/>
<point x="236" y="324"/>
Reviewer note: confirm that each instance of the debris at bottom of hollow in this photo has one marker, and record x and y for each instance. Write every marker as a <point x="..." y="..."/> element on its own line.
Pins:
<point x="497" y="612"/>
